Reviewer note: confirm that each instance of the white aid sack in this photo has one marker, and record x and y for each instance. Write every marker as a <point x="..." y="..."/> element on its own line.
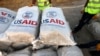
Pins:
<point x="94" y="28"/>
<point x="24" y="27"/>
<point x="70" y="51"/>
<point x="24" y="52"/>
<point x="6" y="17"/>
<point x="55" y="30"/>
<point x="44" y="52"/>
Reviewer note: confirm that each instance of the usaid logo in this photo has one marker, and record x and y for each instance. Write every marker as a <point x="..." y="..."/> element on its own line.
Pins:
<point x="51" y="14"/>
<point x="27" y="15"/>
<point x="3" y="20"/>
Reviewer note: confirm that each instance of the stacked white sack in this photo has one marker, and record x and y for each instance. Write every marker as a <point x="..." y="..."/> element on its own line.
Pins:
<point x="55" y="30"/>
<point x="24" y="27"/>
<point x="70" y="51"/>
<point x="24" y="52"/>
<point x="6" y="17"/>
<point x="44" y="52"/>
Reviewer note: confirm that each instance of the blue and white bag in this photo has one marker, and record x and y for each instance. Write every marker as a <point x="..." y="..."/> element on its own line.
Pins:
<point x="23" y="28"/>
<point x="6" y="17"/>
<point x="55" y="30"/>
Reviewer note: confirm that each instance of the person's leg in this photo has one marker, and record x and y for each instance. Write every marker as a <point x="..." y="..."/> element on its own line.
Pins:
<point x="38" y="29"/>
<point x="89" y="18"/>
<point x="85" y="19"/>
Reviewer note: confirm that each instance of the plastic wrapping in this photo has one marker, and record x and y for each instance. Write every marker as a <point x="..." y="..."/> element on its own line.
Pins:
<point x="6" y="17"/>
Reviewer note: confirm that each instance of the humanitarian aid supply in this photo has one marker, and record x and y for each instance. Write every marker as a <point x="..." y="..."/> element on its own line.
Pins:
<point x="24" y="28"/>
<point x="70" y="51"/>
<point x="54" y="29"/>
<point x="6" y="17"/>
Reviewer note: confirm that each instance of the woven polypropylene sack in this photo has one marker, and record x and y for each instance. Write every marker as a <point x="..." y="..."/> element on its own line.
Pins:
<point x="24" y="28"/>
<point x="44" y="52"/>
<point x="70" y="51"/>
<point x="6" y="17"/>
<point x="24" y="52"/>
<point x="54" y="29"/>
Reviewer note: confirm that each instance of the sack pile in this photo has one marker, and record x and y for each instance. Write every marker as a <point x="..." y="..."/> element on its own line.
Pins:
<point x="24" y="28"/>
<point x="6" y="17"/>
<point x="22" y="33"/>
